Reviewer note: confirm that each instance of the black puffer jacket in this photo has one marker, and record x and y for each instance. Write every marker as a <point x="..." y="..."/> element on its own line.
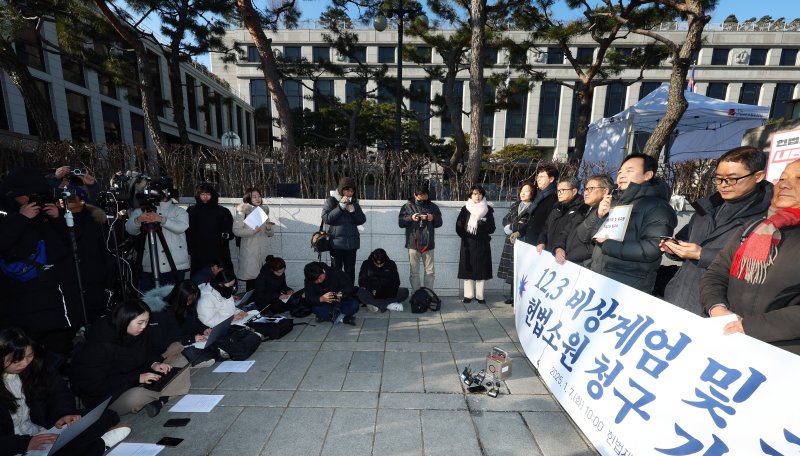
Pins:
<point x="335" y="280"/>
<point x="209" y="234"/>
<point x="420" y="236"/>
<point x="711" y="227"/>
<point x="165" y="327"/>
<point x="269" y="287"/>
<point x="560" y="222"/>
<point x="635" y="260"/>
<point x="579" y="240"/>
<point x="385" y="281"/>
<point x="343" y="224"/>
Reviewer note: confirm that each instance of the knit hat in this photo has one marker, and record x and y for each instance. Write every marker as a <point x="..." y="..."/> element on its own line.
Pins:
<point x="24" y="181"/>
<point x="346" y="182"/>
<point x="79" y="192"/>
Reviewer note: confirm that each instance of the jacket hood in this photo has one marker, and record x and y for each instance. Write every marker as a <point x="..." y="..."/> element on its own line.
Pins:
<point x="214" y="196"/>
<point x="246" y="208"/>
<point x="155" y="298"/>
<point x="97" y="214"/>
<point x="347" y="182"/>
<point x="655" y="187"/>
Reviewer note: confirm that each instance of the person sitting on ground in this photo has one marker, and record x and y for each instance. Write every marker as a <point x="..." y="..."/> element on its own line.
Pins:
<point x="174" y="323"/>
<point x="114" y="361"/>
<point x="742" y="196"/>
<point x="34" y="398"/>
<point x="208" y="273"/>
<point x="329" y="293"/>
<point x="216" y="301"/>
<point x="756" y="279"/>
<point x="379" y="283"/>
<point x="565" y="215"/>
<point x="272" y="293"/>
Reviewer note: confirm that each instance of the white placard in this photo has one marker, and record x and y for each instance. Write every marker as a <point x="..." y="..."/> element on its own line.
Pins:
<point x="641" y="376"/>
<point x="197" y="403"/>
<point x="784" y="149"/>
<point x="616" y="223"/>
<point x="256" y="218"/>
<point x="234" y="366"/>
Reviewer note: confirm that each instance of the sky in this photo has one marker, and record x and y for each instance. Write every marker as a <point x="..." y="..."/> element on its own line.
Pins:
<point x="743" y="9"/>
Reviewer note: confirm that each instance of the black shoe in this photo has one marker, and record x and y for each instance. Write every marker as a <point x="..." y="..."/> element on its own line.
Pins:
<point x="509" y="301"/>
<point x="349" y="320"/>
<point x="481" y="301"/>
<point x="325" y="320"/>
<point x="466" y="300"/>
<point x="153" y="408"/>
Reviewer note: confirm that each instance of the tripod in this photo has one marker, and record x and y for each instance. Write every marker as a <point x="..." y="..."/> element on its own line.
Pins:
<point x="76" y="258"/>
<point x="152" y="234"/>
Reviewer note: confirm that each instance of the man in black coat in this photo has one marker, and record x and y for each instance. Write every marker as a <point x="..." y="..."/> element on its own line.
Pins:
<point x="329" y="293"/>
<point x="542" y="203"/>
<point x="420" y="217"/>
<point x="379" y="283"/>
<point x="563" y="218"/>
<point x="579" y="245"/>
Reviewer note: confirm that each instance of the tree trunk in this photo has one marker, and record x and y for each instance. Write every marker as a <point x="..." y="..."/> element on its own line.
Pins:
<point x="478" y="20"/>
<point x="453" y="110"/>
<point x="149" y="110"/>
<point x="37" y="105"/>
<point x="175" y="82"/>
<point x="582" y="127"/>
<point x="252" y="21"/>
<point x="681" y="60"/>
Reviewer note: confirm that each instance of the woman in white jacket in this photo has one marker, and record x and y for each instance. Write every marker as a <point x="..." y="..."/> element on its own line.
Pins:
<point x="255" y="244"/>
<point x="216" y="300"/>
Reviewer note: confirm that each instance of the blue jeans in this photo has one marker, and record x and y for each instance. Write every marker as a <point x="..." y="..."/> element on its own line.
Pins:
<point x="347" y="307"/>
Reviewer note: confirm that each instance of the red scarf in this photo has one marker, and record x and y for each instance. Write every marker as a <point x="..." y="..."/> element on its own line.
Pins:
<point x="758" y="251"/>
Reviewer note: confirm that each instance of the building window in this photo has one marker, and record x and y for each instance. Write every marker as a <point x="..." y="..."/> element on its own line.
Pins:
<point x="615" y="99"/>
<point x="323" y="94"/>
<point x="585" y="55"/>
<point x="218" y="115"/>
<point x="259" y="96"/>
<point x="292" y="53"/>
<point x="294" y="93"/>
<point x="321" y="54"/>
<point x="191" y="101"/>
<point x="421" y="104"/>
<point x="488" y="113"/>
<point x="555" y="56"/>
<point x="549" y="101"/>
<point x="750" y="93"/>
<point x="252" y="54"/>
<point x="79" y="122"/>
<point x="107" y="86"/>
<point x="358" y="55"/>
<point x="355" y="91"/>
<point x="239" y="123"/>
<point x="784" y="92"/>
<point x="719" y="56"/>
<point x="155" y="82"/>
<point x="576" y="105"/>
<point x="247" y="118"/>
<point x="490" y="56"/>
<point x="133" y="94"/>
<point x="624" y="51"/>
<point x="137" y="131"/>
<point x="758" y="56"/>
<point x="3" y="113"/>
<point x="458" y="95"/>
<point x="788" y="57"/>
<point x="44" y="91"/>
<point x="72" y="71"/>
<point x="386" y="94"/>
<point x="647" y="87"/>
<point x="111" y="124"/>
<point x="206" y="109"/>
<point x="385" y="54"/>
<point x="718" y="90"/>
<point x="29" y="49"/>
<point x="425" y="53"/>
<point x="517" y="56"/>
<point x="516" y="115"/>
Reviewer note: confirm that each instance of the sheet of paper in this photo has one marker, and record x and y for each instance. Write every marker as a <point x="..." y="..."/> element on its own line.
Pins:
<point x="197" y="403"/>
<point x="718" y="323"/>
<point x="234" y="366"/>
<point x="243" y="322"/>
<point x="136" y="449"/>
<point x="616" y="223"/>
<point x="256" y="218"/>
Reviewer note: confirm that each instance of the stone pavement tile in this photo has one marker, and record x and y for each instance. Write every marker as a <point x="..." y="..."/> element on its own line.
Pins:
<point x="509" y="324"/>
<point x="350" y="433"/>
<point x="524" y="379"/>
<point x="352" y="346"/>
<point x="341" y="399"/>
<point x="204" y="379"/>
<point x="314" y="332"/>
<point x="362" y="381"/>
<point x="506" y="434"/>
<point x="343" y="332"/>
<point x="556" y="434"/>
<point x="397" y="433"/>
<point x="327" y="371"/>
<point x="403" y="331"/>
<point x="265" y="362"/>
<point x="462" y="330"/>
<point x="402" y="373"/>
<point x="300" y="432"/>
<point x="484" y="348"/>
<point x="290" y="345"/>
<point x="260" y="398"/>
<point x="513" y="403"/>
<point x="373" y="324"/>
<point x="490" y="330"/>
<point x="440" y="373"/>
<point x="248" y="434"/>
<point x="418" y="347"/>
<point x="377" y="336"/>
<point x="448" y="433"/>
<point x="289" y="372"/>
<point x="423" y="401"/>
<point x="432" y="332"/>
<point x="363" y="361"/>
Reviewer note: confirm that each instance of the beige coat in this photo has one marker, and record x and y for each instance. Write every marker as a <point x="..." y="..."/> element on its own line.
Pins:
<point x="254" y="247"/>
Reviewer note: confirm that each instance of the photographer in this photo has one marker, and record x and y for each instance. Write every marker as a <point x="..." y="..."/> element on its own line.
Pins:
<point x="173" y="221"/>
<point x="67" y="175"/>
<point x="420" y="217"/>
<point x="327" y="291"/>
<point x="37" y="274"/>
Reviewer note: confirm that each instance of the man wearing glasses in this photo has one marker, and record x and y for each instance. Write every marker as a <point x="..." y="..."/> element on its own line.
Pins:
<point x="742" y="196"/>
<point x="579" y="244"/>
<point x="568" y="212"/>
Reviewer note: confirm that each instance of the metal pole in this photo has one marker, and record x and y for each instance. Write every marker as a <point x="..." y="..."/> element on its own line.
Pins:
<point x="399" y="95"/>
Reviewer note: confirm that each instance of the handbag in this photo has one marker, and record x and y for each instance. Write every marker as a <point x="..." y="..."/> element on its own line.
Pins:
<point x="272" y="328"/>
<point x="239" y="343"/>
<point x="321" y="240"/>
<point x="26" y="269"/>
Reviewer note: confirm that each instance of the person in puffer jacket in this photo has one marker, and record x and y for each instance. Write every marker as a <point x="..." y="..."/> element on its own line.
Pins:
<point x="342" y="213"/>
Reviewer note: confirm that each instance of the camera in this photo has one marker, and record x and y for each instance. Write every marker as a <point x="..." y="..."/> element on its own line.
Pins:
<point x="41" y="199"/>
<point x="422" y="217"/>
<point x="78" y="172"/>
<point x="337" y="296"/>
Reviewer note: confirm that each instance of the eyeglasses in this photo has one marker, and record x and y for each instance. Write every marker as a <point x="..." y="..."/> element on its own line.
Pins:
<point x="591" y="189"/>
<point x="731" y="181"/>
<point x="564" y="190"/>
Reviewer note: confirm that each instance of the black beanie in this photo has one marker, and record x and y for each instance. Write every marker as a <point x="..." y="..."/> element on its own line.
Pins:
<point x="24" y="181"/>
<point x="346" y="182"/>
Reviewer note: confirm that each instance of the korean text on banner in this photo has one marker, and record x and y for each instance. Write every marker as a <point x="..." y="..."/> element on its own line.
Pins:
<point x="641" y="376"/>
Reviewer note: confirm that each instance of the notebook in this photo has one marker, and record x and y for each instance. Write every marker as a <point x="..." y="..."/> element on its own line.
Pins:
<point x="68" y="433"/>
<point x="162" y="382"/>
<point x="216" y="332"/>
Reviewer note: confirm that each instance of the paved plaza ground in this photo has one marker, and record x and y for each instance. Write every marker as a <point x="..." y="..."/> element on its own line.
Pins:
<point x="388" y="386"/>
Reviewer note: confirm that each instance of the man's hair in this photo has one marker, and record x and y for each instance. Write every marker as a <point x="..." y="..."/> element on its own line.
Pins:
<point x="650" y="163"/>
<point x="379" y="256"/>
<point x="313" y="270"/>
<point x="205" y="187"/>
<point x="603" y="179"/>
<point x="421" y="190"/>
<point x="224" y="276"/>
<point x="752" y="158"/>
<point x="572" y="181"/>
<point x="551" y="171"/>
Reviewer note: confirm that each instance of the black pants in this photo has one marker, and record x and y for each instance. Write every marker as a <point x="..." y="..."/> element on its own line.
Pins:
<point x="250" y="285"/>
<point x="345" y="260"/>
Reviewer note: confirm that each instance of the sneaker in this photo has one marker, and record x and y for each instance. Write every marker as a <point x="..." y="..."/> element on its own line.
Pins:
<point x="339" y="319"/>
<point x="509" y="301"/>
<point x="372" y="308"/>
<point x="481" y="301"/>
<point x="395" y="306"/>
<point x="153" y="408"/>
<point x="115" y="435"/>
<point x="223" y="354"/>
<point x="206" y="363"/>
<point x="466" y="300"/>
<point x="350" y="320"/>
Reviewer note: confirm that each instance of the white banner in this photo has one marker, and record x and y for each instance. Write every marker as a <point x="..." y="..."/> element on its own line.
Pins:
<point x="784" y="149"/>
<point x="643" y="377"/>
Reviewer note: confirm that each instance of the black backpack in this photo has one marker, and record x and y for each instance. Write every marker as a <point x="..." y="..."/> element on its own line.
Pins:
<point x="423" y="300"/>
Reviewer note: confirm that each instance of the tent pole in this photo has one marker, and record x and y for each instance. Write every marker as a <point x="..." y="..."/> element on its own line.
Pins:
<point x="629" y="142"/>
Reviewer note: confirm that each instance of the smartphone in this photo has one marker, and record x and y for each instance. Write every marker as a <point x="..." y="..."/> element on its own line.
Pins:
<point x="176" y="422"/>
<point x="169" y="441"/>
<point x="669" y="239"/>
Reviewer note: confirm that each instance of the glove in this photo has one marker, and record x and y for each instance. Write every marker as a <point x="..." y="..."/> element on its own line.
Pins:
<point x="507" y="229"/>
<point x="514" y="236"/>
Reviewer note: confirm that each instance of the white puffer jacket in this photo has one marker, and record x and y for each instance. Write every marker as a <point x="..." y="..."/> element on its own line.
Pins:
<point x="254" y="247"/>
<point x="174" y="223"/>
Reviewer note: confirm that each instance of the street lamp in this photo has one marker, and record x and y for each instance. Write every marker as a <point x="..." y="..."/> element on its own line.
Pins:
<point x="379" y="24"/>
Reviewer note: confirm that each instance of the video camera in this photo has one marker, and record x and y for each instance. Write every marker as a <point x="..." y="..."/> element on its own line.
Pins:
<point x="153" y="192"/>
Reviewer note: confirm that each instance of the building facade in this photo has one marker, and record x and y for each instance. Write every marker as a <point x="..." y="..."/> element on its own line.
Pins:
<point x="737" y="63"/>
<point x="88" y="106"/>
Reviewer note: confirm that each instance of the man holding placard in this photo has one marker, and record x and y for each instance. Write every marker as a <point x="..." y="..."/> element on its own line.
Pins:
<point x="630" y="223"/>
